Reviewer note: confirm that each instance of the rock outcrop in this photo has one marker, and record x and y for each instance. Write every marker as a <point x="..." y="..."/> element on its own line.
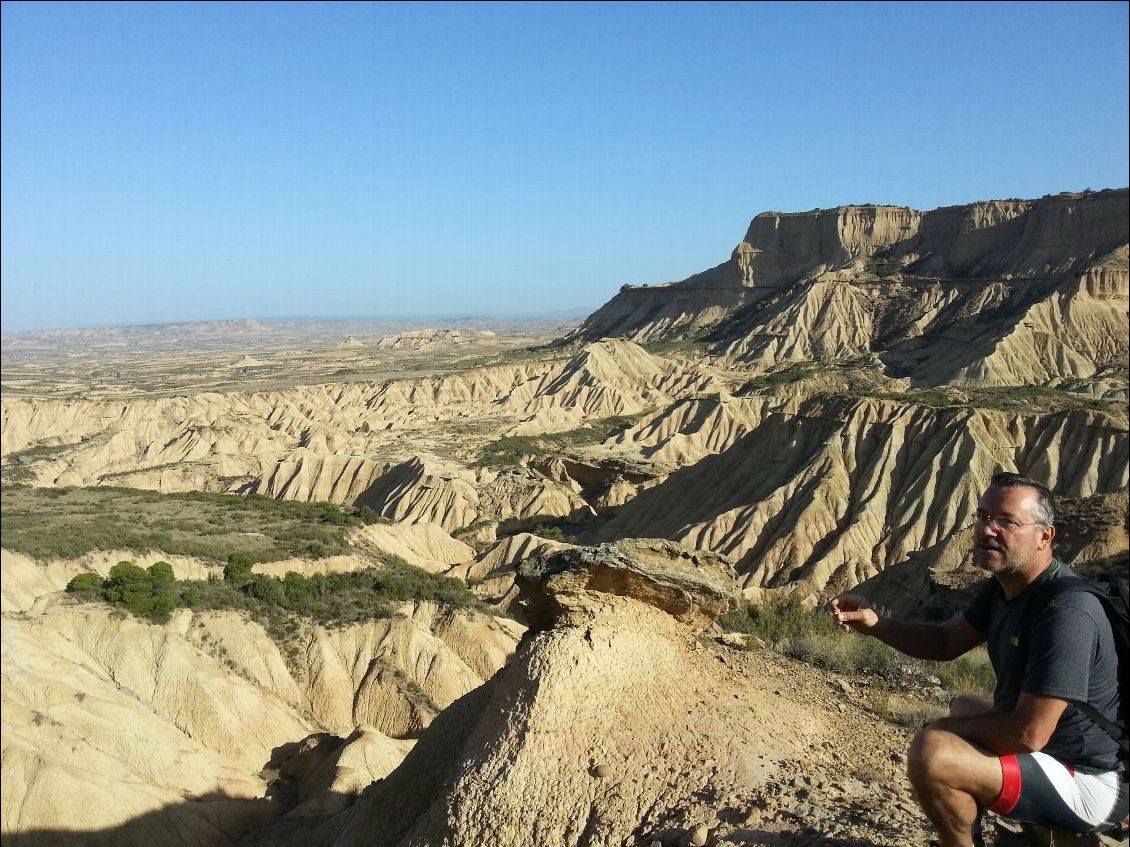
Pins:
<point x="993" y="293"/>
<point x="608" y="723"/>
<point x="693" y="586"/>
<point x="491" y="575"/>
<point x="614" y="725"/>
<point x="429" y="339"/>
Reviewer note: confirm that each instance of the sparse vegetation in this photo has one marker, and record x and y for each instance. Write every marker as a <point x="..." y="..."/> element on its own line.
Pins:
<point x="786" y="376"/>
<point x="1022" y="399"/>
<point x="857" y="372"/>
<point x="809" y="635"/>
<point x="510" y="449"/>
<point x="69" y="522"/>
<point x="675" y="346"/>
<point x="17" y="465"/>
<point x="860" y="378"/>
<point x="884" y="267"/>
<point x="470" y="528"/>
<point x="279" y="605"/>
<point x="562" y="530"/>
<point x="905" y="711"/>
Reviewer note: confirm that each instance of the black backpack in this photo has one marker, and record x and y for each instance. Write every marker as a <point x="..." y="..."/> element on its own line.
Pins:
<point x="1113" y="597"/>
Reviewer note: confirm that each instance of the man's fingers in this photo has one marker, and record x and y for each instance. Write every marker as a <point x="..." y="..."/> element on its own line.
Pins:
<point x="846" y="619"/>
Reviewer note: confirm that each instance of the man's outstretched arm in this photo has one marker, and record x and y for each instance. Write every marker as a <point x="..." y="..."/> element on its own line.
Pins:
<point x="938" y="642"/>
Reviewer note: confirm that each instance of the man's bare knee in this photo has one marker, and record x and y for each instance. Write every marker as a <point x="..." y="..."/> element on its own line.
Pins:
<point x="938" y="759"/>
<point x="968" y="705"/>
<point x="928" y="753"/>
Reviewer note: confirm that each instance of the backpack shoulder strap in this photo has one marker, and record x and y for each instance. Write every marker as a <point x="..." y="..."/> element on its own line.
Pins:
<point x="1044" y="596"/>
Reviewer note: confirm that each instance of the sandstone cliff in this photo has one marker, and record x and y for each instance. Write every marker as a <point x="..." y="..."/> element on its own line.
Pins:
<point x="994" y="293"/>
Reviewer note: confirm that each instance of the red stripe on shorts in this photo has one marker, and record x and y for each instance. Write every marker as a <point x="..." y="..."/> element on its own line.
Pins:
<point x="1010" y="787"/>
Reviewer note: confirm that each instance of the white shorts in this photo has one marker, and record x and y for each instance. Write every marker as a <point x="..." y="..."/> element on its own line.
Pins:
<point x="1042" y="790"/>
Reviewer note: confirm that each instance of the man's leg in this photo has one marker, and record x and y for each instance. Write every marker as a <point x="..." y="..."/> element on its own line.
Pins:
<point x="953" y="781"/>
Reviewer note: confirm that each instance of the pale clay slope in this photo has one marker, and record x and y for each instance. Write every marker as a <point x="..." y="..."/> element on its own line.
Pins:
<point x="816" y="492"/>
<point x="363" y="674"/>
<point x="828" y="495"/>
<point x="615" y="725"/>
<point x="106" y="719"/>
<point x="206" y="700"/>
<point x="320" y="443"/>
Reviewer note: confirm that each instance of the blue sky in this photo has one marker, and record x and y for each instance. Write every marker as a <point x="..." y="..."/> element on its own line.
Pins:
<point x="198" y="161"/>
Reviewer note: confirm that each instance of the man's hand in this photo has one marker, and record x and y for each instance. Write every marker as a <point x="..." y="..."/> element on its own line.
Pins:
<point x="933" y="641"/>
<point x="853" y="611"/>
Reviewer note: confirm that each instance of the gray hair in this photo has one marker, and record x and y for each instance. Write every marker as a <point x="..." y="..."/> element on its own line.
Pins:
<point x="1044" y="512"/>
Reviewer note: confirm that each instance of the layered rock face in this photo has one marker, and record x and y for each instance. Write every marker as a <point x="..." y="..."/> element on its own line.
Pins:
<point x="779" y="249"/>
<point x="993" y="293"/>
<point x="820" y="495"/>
<point x="694" y="587"/>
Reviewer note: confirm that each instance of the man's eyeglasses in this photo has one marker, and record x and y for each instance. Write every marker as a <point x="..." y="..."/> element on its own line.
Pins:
<point x="1000" y="521"/>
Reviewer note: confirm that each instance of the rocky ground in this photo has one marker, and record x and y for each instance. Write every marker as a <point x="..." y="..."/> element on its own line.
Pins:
<point x="849" y="788"/>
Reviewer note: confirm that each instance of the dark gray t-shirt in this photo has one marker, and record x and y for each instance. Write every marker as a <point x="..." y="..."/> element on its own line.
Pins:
<point x="1071" y="657"/>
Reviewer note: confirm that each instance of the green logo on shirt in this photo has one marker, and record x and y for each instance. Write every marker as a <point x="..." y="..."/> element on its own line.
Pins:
<point x="1014" y="641"/>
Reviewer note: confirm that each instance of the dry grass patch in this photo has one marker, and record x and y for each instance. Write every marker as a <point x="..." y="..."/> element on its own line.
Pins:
<point x="69" y="522"/>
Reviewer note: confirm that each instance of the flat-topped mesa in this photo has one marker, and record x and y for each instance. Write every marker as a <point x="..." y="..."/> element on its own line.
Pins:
<point x="693" y="586"/>
<point x="1048" y="239"/>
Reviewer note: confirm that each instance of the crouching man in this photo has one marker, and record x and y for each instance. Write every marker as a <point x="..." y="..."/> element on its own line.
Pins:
<point x="1031" y="754"/>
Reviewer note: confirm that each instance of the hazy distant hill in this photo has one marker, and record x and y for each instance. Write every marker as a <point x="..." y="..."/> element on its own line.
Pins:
<point x="220" y="335"/>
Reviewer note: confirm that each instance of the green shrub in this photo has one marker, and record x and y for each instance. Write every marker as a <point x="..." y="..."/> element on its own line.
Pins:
<point x="238" y="567"/>
<point x="279" y="605"/>
<point x="369" y="516"/>
<point x="777" y="619"/>
<point x="296" y="586"/>
<point x="88" y="581"/>
<point x="509" y="449"/>
<point x="161" y="573"/>
<point x="267" y="589"/>
<point x="150" y="594"/>
<point x="126" y="579"/>
<point x="553" y="533"/>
